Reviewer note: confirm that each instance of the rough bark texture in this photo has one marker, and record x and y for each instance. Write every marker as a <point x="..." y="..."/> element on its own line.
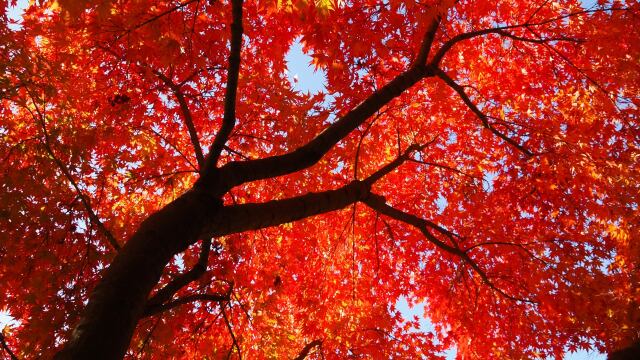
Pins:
<point x="119" y="299"/>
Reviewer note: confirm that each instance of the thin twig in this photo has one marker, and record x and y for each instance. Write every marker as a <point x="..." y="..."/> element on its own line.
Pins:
<point x="483" y="118"/>
<point x="185" y="300"/>
<point x="233" y="336"/>
<point x="307" y="349"/>
<point x="6" y="347"/>
<point x="93" y="217"/>
<point x="154" y="18"/>
<point x="378" y="203"/>
<point x="186" y="116"/>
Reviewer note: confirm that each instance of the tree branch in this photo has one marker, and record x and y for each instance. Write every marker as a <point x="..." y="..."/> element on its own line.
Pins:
<point x="233" y="336"/>
<point x="229" y="117"/>
<point x="6" y="348"/>
<point x="154" y="18"/>
<point x="378" y="203"/>
<point x="168" y="144"/>
<point x="307" y="349"/>
<point x="427" y="41"/>
<point x="186" y="116"/>
<point x="483" y="118"/>
<point x="236" y="173"/>
<point x="180" y="281"/>
<point x="93" y="217"/>
<point x="254" y="216"/>
<point x="501" y="30"/>
<point x="184" y="300"/>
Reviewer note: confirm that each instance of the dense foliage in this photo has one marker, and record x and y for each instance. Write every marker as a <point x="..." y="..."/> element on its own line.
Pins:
<point x="479" y="157"/>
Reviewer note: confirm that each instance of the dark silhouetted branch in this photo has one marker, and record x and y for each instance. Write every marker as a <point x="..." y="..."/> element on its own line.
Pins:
<point x="180" y="281"/>
<point x="236" y="173"/>
<point x="379" y="204"/>
<point x="307" y="349"/>
<point x="501" y="30"/>
<point x="483" y="118"/>
<point x="186" y="116"/>
<point x="6" y="348"/>
<point x="229" y="117"/>
<point x="185" y="300"/>
<point x="254" y="216"/>
<point x="427" y="41"/>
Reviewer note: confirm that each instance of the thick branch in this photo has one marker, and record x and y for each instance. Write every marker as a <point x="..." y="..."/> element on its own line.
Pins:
<point x="236" y="173"/>
<point x="229" y="117"/>
<point x="254" y="216"/>
<point x="483" y="118"/>
<point x="307" y="349"/>
<point x="180" y="281"/>
<point x="186" y="116"/>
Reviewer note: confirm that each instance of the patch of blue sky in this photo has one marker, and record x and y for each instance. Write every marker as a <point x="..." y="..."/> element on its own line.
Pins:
<point x="302" y="74"/>
<point x="441" y="203"/>
<point x="7" y="320"/>
<point x="424" y="323"/>
<point x="487" y="180"/>
<point x="588" y="4"/>
<point x="14" y="13"/>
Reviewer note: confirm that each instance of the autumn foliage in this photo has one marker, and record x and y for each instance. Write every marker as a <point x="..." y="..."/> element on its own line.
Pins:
<point x="479" y="157"/>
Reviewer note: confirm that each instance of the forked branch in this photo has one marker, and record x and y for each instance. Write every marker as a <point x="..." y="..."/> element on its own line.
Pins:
<point x="187" y="117"/>
<point x="168" y="291"/>
<point x="254" y="216"/>
<point x="378" y="203"/>
<point x="482" y="116"/>
<point x="502" y="30"/>
<point x="236" y="173"/>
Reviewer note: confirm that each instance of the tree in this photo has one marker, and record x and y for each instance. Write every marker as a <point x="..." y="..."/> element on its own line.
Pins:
<point x="168" y="193"/>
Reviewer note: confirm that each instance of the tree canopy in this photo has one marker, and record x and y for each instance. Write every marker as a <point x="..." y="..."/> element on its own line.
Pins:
<point x="167" y="192"/>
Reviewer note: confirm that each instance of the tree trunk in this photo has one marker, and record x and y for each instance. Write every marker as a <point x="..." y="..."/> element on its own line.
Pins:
<point x="631" y="352"/>
<point x="117" y="302"/>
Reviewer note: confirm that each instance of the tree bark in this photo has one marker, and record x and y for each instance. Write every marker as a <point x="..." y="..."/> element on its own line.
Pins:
<point x="118" y="301"/>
